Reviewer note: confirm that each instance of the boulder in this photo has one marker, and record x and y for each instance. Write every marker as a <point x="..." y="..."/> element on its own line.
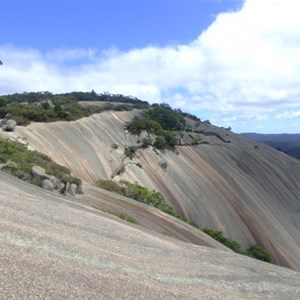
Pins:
<point x="50" y="182"/>
<point x="47" y="185"/>
<point x="54" y="180"/>
<point x="61" y="187"/>
<point x="72" y="189"/>
<point x="79" y="189"/>
<point x="10" y="125"/>
<point x="39" y="172"/>
<point x="67" y="186"/>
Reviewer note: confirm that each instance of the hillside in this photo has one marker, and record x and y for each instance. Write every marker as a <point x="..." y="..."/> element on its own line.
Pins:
<point x="287" y="143"/>
<point x="226" y="182"/>
<point x="55" y="248"/>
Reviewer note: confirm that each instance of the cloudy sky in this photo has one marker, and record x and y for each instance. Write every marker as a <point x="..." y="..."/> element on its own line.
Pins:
<point x="234" y="62"/>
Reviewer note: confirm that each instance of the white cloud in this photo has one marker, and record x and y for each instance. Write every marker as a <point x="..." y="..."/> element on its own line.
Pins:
<point x="246" y="62"/>
<point x="238" y="119"/>
<point x="288" y="115"/>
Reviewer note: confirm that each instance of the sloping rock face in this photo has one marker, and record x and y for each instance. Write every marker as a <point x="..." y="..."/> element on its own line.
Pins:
<point x="249" y="191"/>
<point x="53" y="248"/>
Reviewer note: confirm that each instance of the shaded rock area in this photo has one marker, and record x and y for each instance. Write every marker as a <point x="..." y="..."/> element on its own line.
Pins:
<point x="51" y="183"/>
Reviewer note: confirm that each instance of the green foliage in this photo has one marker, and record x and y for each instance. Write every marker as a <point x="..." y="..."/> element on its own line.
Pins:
<point x="170" y="138"/>
<point x="120" y="215"/>
<point x="45" y="105"/>
<point x="160" y="120"/>
<point x="168" y="118"/>
<point x="109" y="185"/>
<point x="129" y="152"/>
<point x="195" y="139"/>
<point x="2" y="102"/>
<point x="137" y="125"/>
<point x="255" y="251"/>
<point x="218" y="235"/>
<point x="139" y="193"/>
<point x="160" y="143"/>
<point x="19" y="162"/>
<point x="28" y="107"/>
<point x="127" y="218"/>
<point x="260" y="253"/>
<point x="23" y="114"/>
<point x="164" y="165"/>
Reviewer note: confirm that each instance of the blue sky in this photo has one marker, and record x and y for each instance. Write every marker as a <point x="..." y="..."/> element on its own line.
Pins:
<point x="235" y="62"/>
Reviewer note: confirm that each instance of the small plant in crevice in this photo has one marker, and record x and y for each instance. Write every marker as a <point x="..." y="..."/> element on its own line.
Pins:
<point x="114" y="146"/>
<point x="121" y="170"/>
<point x="164" y="165"/>
<point x="119" y="215"/>
<point x="129" y="152"/>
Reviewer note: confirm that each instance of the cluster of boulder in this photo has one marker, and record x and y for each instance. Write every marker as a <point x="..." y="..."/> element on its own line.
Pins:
<point x="8" y="124"/>
<point x="51" y="183"/>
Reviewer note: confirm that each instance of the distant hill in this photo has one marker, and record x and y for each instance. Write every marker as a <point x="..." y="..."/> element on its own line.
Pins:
<point x="287" y="143"/>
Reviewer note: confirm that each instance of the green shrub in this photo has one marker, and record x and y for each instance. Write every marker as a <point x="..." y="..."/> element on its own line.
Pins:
<point x="139" y="193"/>
<point x="161" y="120"/>
<point x="109" y="185"/>
<point x="127" y="218"/>
<point x="2" y="102"/>
<point x="218" y="235"/>
<point x="164" y="165"/>
<point x="168" y="118"/>
<point x="255" y="251"/>
<point x="260" y="253"/>
<point x="129" y="152"/>
<point x="27" y="107"/>
<point x="119" y="215"/>
<point x="160" y="143"/>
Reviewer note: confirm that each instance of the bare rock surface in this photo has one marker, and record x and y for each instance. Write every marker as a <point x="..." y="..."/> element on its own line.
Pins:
<point x="53" y="248"/>
<point x="248" y="190"/>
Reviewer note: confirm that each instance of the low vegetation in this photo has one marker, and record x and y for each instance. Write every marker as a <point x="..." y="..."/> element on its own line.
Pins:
<point x="160" y="120"/>
<point x="139" y="193"/>
<point x="166" y="125"/>
<point x="119" y="215"/>
<point x="218" y="235"/>
<point x="129" y="152"/>
<point x="127" y="218"/>
<point x="17" y="160"/>
<point x="47" y="107"/>
<point x="255" y="251"/>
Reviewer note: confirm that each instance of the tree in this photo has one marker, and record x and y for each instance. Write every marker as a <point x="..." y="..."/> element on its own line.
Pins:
<point x="2" y="102"/>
